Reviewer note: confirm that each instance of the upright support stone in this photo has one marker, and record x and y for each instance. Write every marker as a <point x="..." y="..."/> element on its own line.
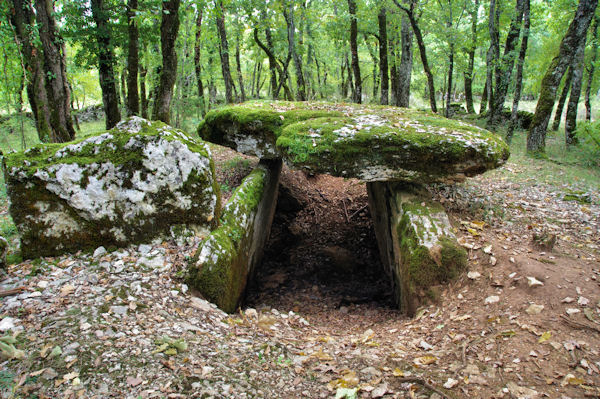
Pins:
<point x="415" y="239"/>
<point x="227" y="258"/>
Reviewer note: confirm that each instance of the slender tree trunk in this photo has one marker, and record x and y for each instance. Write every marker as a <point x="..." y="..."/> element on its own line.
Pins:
<point x="143" y="98"/>
<point x="590" y="76"/>
<point x="23" y="19"/>
<point x="471" y="56"/>
<point x="357" y="92"/>
<point x="169" y="28"/>
<point x="105" y="64"/>
<point x="393" y="60"/>
<point x="576" y="83"/>
<point x="239" y="69"/>
<point x="562" y="100"/>
<point x="383" y="56"/>
<point x="484" y="99"/>
<point x="493" y="53"/>
<point x="536" y="137"/>
<point x="410" y="12"/>
<point x="519" y="77"/>
<point x="450" y="74"/>
<point x="57" y="87"/>
<point x="375" y="62"/>
<point x="133" y="98"/>
<point x="291" y="29"/>
<point x="272" y="63"/>
<point x="197" y="65"/>
<point x="406" y="63"/>
<point x="282" y="72"/>
<point x="505" y="66"/>
<point x="225" y="66"/>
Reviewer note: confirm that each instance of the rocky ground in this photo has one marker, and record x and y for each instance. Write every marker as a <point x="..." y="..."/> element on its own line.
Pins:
<point x="522" y="323"/>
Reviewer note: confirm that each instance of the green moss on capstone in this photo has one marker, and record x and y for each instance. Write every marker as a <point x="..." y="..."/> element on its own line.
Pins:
<point x="372" y="143"/>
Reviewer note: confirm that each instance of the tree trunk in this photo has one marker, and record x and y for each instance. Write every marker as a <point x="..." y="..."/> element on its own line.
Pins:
<point x="590" y="77"/>
<point x="357" y="92"/>
<point x="576" y="83"/>
<point x="225" y="67"/>
<point x="410" y="12"/>
<point x="536" y="137"/>
<point x="405" y="68"/>
<point x="282" y="73"/>
<point x="484" y="99"/>
<point x="124" y="85"/>
<point x="471" y="57"/>
<point x="22" y="18"/>
<point x="105" y="65"/>
<point x="239" y="69"/>
<point x="450" y="73"/>
<point x="57" y="88"/>
<point x="197" y="65"/>
<point x="562" y="100"/>
<point x="383" y="56"/>
<point x="291" y="29"/>
<point x="493" y="53"/>
<point x="272" y="63"/>
<point x="519" y="77"/>
<point x="133" y="98"/>
<point x="505" y="66"/>
<point x="393" y="59"/>
<point x="375" y="62"/>
<point x="143" y="98"/>
<point x="169" y="28"/>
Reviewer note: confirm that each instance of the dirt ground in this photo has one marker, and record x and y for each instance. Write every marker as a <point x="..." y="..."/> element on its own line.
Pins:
<point x="318" y="320"/>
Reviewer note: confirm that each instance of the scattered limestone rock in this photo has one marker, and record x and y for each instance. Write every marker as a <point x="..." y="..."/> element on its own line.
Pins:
<point x="371" y="143"/>
<point x="126" y="185"/>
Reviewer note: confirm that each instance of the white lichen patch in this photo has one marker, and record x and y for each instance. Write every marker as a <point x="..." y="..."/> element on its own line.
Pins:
<point x="428" y="224"/>
<point x="249" y="145"/>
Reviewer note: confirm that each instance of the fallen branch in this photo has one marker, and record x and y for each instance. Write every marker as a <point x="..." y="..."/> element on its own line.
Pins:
<point x="358" y="210"/>
<point x="579" y="325"/>
<point x="421" y="381"/>
<point x="11" y="292"/>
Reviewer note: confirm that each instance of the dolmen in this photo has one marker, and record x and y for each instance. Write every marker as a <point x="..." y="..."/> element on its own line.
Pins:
<point x="396" y="151"/>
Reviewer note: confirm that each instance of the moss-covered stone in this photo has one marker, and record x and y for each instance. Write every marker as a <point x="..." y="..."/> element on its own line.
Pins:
<point x="126" y="185"/>
<point x="227" y="257"/>
<point x="372" y="143"/>
<point x="416" y="241"/>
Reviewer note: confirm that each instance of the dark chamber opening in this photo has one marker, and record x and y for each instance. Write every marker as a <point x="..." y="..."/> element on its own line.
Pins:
<point x="322" y="250"/>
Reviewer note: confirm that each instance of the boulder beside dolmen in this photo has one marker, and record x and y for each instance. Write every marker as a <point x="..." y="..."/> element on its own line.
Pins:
<point x="127" y="185"/>
<point x="396" y="151"/>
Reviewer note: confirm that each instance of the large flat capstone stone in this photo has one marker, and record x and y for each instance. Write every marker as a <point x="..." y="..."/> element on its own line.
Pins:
<point x="371" y="143"/>
<point x="129" y="184"/>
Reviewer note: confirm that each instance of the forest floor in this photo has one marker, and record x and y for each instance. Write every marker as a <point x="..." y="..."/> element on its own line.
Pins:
<point x="318" y="321"/>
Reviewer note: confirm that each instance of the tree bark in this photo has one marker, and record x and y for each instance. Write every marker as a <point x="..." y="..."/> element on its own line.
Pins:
<point x="357" y="92"/>
<point x="225" y="66"/>
<point x="393" y="46"/>
<point x="536" y="137"/>
<point x="493" y="53"/>
<point x="197" y="65"/>
<point x="562" y="100"/>
<point x="57" y="88"/>
<point x="106" y="61"/>
<point x="471" y="59"/>
<point x="505" y="66"/>
<point x="406" y="62"/>
<point x="519" y="77"/>
<point x="143" y="98"/>
<point x="239" y="69"/>
<point x="291" y="29"/>
<point x="576" y="83"/>
<point x="22" y="18"/>
<point x="410" y="12"/>
<point x="169" y="28"/>
<point x="484" y="99"/>
<point x="278" y="68"/>
<point x="272" y="62"/>
<point x="383" y="56"/>
<point x="590" y="76"/>
<point x="133" y="98"/>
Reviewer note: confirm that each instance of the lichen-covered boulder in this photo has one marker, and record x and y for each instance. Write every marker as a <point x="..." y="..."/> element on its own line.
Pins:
<point x="129" y="184"/>
<point x="371" y="143"/>
<point x="416" y="242"/>
<point x="226" y="259"/>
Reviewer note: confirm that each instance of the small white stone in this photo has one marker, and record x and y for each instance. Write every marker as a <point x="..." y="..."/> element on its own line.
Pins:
<point x="473" y="275"/>
<point x="7" y="323"/>
<point x="583" y="301"/>
<point x="492" y="299"/>
<point x="451" y="383"/>
<point x="42" y="284"/>
<point x="533" y="282"/>
<point x="534" y="309"/>
<point x="568" y="300"/>
<point x="100" y="251"/>
<point x="571" y="311"/>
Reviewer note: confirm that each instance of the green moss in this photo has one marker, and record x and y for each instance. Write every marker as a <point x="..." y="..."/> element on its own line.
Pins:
<point x="423" y="266"/>
<point x="222" y="277"/>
